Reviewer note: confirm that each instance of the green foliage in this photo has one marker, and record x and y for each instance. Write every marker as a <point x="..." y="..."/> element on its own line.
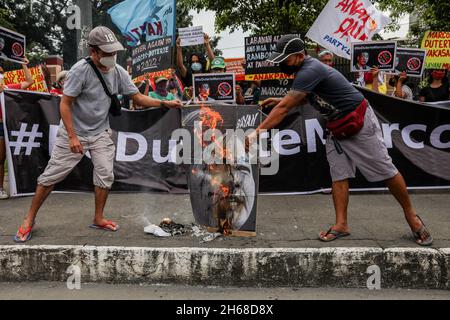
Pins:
<point x="431" y="15"/>
<point x="263" y="16"/>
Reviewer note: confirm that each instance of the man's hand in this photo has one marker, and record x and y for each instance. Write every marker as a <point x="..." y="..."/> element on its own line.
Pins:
<point x="75" y="145"/>
<point x="25" y="61"/>
<point x="270" y="102"/>
<point x="375" y="71"/>
<point x="206" y="37"/>
<point x="402" y="77"/>
<point x="173" y="104"/>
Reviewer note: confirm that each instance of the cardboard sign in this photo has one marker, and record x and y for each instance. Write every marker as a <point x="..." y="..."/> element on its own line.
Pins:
<point x="12" y="45"/>
<point x="151" y="57"/>
<point x="236" y="66"/>
<point x="191" y="36"/>
<point x="18" y="76"/>
<point x="366" y="55"/>
<point x="410" y="60"/>
<point x="257" y="51"/>
<point x="437" y="44"/>
<point x="275" y="88"/>
<point x="214" y="87"/>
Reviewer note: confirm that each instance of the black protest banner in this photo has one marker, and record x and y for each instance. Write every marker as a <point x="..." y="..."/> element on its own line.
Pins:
<point x="366" y="55"/>
<point x="257" y="51"/>
<point x="214" y="87"/>
<point x="410" y="60"/>
<point x="275" y="88"/>
<point x="152" y="56"/>
<point x="12" y="45"/>
<point x="417" y="137"/>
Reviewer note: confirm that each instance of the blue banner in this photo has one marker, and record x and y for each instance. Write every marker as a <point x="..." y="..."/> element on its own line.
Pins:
<point x="151" y="19"/>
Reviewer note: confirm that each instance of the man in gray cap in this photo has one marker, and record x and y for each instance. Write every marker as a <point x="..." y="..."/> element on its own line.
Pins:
<point x="355" y="140"/>
<point x="85" y="126"/>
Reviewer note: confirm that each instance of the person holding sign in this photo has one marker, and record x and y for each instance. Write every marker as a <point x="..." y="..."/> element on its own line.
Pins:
<point x="90" y="94"/>
<point x="355" y="140"/>
<point x="401" y="90"/>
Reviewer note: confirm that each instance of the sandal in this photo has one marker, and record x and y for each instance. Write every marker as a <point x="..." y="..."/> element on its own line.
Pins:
<point x="335" y="233"/>
<point x="26" y="233"/>
<point x="105" y="226"/>
<point x="423" y="231"/>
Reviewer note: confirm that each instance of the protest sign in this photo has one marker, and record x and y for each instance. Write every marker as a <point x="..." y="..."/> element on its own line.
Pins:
<point x="151" y="57"/>
<point x="18" y="76"/>
<point x="257" y="51"/>
<point x="12" y="45"/>
<point x="437" y="44"/>
<point x="366" y="55"/>
<point x="191" y="36"/>
<point x="342" y="22"/>
<point x="410" y="60"/>
<point x="214" y="87"/>
<point x="236" y="66"/>
<point x="144" y="19"/>
<point x="275" y="88"/>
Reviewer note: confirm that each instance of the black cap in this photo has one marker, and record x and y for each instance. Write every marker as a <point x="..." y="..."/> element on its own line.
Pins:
<point x="286" y="46"/>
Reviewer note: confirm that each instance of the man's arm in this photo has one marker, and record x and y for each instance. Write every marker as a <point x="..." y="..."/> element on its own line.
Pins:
<point x="148" y="102"/>
<point x="292" y="99"/>
<point x="399" y="87"/>
<point x="180" y="64"/>
<point x="28" y="78"/>
<point x="66" y="116"/>
<point x="209" y="50"/>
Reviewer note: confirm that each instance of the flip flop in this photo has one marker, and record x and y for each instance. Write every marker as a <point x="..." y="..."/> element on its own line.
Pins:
<point x="335" y="233"/>
<point x="105" y="226"/>
<point x="423" y="231"/>
<point x="23" y="233"/>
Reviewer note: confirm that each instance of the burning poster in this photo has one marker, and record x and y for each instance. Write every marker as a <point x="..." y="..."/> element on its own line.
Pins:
<point x="223" y="180"/>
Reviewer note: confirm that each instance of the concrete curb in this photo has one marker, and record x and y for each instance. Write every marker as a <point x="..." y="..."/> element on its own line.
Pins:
<point x="414" y="268"/>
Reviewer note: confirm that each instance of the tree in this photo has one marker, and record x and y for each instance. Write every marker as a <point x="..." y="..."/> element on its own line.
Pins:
<point x="430" y="15"/>
<point x="263" y="16"/>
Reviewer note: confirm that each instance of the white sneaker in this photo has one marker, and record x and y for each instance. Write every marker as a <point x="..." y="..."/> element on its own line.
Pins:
<point x="3" y="195"/>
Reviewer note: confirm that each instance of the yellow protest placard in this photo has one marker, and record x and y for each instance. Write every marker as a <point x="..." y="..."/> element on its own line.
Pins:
<point x="18" y="76"/>
<point x="437" y="44"/>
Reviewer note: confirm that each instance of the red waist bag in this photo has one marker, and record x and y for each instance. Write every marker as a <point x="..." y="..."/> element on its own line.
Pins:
<point x="349" y="125"/>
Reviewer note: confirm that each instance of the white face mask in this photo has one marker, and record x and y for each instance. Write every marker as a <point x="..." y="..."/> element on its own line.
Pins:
<point x="109" y="62"/>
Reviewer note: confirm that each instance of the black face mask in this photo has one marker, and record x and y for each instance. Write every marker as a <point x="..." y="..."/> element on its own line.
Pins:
<point x="289" y="69"/>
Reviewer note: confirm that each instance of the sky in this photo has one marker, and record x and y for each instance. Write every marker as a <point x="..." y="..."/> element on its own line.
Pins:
<point x="232" y="44"/>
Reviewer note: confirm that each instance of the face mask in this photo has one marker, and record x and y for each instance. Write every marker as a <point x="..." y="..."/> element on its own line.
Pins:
<point x="109" y="62"/>
<point x="196" y="67"/>
<point x="437" y="75"/>
<point x="289" y="69"/>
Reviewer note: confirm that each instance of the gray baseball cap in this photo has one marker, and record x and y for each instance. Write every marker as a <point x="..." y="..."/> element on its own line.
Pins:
<point x="105" y="39"/>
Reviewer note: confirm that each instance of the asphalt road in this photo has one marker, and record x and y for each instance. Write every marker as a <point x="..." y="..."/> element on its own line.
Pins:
<point x="59" y="291"/>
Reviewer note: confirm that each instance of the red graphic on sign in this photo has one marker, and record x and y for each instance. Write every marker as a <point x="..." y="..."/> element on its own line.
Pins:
<point x="358" y="24"/>
<point x="224" y="89"/>
<point x="17" y="49"/>
<point x="413" y="64"/>
<point x="385" y="57"/>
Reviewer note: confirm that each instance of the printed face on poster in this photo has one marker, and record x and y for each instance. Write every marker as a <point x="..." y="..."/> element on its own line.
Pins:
<point x="410" y="60"/>
<point x="214" y="87"/>
<point x="367" y="55"/>
<point x="12" y="45"/>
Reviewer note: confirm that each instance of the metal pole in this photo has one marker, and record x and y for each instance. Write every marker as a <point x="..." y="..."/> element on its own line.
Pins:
<point x="86" y="26"/>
